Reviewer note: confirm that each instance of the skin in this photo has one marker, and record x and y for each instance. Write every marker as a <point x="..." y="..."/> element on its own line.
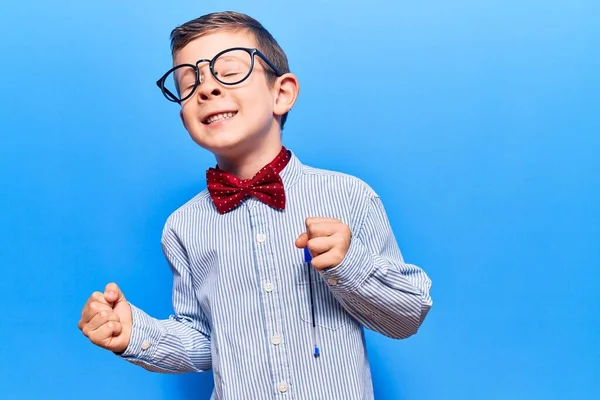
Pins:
<point x="328" y="240"/>
<point x="242" y="145"/>
<point x="245" y="143"/>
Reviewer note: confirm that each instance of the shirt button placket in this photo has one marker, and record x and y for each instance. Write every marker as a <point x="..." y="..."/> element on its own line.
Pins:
<point x="265" y="267"/>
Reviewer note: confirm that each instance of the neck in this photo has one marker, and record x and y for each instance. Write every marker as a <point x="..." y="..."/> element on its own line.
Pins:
<point x="248" y="163"/>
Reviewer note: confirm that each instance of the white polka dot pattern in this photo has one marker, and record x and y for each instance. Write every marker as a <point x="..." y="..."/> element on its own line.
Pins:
<point x="228" y="191"/>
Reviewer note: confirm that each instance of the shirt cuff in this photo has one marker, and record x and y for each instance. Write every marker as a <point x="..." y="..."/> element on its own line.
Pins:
<point x="356" y="266"/>
<point x="146" y="334"/>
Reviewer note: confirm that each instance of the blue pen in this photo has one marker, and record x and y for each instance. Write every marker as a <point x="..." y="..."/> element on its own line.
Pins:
<point x="307" y="260"/>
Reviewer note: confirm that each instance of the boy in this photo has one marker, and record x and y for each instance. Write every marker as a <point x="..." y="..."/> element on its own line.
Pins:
<point x="277" y="265"/>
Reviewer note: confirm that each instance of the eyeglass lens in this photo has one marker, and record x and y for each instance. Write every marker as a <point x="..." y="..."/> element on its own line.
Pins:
<point x="230" y="68"/>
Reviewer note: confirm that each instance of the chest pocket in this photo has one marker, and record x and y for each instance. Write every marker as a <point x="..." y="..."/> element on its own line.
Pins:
<point x="329" y="313"/>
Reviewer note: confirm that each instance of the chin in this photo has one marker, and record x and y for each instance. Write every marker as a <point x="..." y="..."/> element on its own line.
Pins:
<point x="228" y="141"/>
<point x="227" y="145"/>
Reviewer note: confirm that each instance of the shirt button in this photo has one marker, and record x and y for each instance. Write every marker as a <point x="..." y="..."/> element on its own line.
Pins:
<point x="276" y="339"/>
<point x="332" y="281"/>
<point x="261" y="237"/>
<point x="145" y="345"/>
<point x="268" y="287"/>
<point x="283" y="387"/>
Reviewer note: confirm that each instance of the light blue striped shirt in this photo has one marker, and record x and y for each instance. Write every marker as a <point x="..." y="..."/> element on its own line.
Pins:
<point x="242" y="302"/>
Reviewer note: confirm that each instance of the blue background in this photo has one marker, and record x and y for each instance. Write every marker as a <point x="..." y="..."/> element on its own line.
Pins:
<point x="476" y="121"/>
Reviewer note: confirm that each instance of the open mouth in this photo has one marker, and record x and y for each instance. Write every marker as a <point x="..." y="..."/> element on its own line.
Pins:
<point x="214" y="118"/>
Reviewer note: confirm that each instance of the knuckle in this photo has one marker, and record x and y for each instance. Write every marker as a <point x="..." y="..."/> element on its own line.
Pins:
<point x="112" y="326"/>
<point x="96" y="295"/>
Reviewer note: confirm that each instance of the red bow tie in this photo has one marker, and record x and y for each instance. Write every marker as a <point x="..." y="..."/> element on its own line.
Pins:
<point x="228" y="191"/>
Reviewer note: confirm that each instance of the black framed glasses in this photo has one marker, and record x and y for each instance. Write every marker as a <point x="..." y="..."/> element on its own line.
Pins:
<point x="229" y="67"/>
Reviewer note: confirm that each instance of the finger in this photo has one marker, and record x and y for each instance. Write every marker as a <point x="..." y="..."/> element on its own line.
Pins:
<point x="104" y="333"/>
<point x="100" y="319"/>
<point x="320" y="245"/>
<point x="321" y="229"/>
<point x="316" y="220"/>
<point x="96" y="296"/>
<point x="93" y="309"/>
<point x="302" y="240"/>
<point x="91" y="312"/>
<point x="113" y="294"/>
<point x="328" y="259"/>
<point x="95" y="304"/>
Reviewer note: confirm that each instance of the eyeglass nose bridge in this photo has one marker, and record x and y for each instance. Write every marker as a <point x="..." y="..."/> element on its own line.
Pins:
<point x="199" y="74"/>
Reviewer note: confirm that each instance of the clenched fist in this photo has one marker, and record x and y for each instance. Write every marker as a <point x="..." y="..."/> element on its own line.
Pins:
<point x="328" y="240"/>
<point x="106" y="319"/>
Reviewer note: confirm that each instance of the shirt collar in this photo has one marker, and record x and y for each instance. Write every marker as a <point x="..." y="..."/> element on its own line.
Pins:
<point x="291" y="172"/>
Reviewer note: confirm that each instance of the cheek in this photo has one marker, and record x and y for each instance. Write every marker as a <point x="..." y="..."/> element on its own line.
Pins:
<point x="258" y="101"/>
<point x="260" y="107"/>
<point x="189" y="117"/>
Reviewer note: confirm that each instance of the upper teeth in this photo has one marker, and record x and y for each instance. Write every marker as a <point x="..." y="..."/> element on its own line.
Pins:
<point x="218" y="117"/>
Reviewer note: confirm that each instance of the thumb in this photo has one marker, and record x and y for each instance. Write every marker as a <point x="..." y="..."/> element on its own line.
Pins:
<point x="113" y="294"/>
<point x="302" y="240"/>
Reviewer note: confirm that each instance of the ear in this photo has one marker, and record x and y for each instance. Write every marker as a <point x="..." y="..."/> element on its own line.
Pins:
<point x="286" y="90"/>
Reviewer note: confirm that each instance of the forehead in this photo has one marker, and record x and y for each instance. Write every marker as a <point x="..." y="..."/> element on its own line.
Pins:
<point x="208" y="45"/>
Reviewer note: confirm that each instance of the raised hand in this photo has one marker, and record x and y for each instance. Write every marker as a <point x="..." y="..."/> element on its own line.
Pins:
<point x="106" y="319"/>
<point x="328" y="240"/>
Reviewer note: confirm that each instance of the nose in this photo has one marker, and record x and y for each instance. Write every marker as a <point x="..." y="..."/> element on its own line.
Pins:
<point x="209" y="87"/>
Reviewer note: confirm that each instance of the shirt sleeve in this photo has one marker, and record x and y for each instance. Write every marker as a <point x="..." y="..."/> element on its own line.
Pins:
<point x="373" y="282"/>
<point x="180" y="343"/>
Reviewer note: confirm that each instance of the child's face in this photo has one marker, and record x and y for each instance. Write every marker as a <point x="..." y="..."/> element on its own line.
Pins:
<point x="252" y="102"/>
